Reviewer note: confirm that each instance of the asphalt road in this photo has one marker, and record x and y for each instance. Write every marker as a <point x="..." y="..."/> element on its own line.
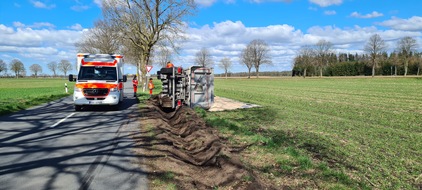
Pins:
<point x="53" y="147"/>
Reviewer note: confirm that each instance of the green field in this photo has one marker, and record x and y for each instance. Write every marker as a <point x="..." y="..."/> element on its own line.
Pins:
<point x="19" y="94"/>
<point x="328" y="133"/>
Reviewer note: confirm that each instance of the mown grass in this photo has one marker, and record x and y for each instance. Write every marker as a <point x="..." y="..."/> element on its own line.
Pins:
<point x="22" y="93"/>
<point x="344" y="133"/>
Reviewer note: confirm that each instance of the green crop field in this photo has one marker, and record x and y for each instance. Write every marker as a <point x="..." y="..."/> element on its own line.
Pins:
<point x="18" y="94"/>
<point x="347" y="133"/>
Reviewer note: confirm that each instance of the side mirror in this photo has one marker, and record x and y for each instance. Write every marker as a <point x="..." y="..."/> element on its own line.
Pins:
<point x="124" y="79"/>
<point x="71" y="79"/>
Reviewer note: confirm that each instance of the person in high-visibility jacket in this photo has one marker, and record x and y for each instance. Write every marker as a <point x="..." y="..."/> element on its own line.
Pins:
<point x="135" y="85"/>
<point x="169" y="65"/>
<point x="150" y="86"/>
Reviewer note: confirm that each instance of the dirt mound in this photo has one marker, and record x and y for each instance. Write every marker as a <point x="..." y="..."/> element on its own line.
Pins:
<point x="178" y="147"/>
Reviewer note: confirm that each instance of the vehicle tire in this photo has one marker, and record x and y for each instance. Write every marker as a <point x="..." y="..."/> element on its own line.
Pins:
<point x="78" y="108"/>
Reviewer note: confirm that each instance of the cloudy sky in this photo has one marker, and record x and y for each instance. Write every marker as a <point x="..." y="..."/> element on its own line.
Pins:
<point x="41" y="31"/>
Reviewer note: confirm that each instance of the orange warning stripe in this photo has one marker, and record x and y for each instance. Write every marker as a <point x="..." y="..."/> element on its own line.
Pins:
<point x="96" y="85"/>
<point x="99" y="63"/>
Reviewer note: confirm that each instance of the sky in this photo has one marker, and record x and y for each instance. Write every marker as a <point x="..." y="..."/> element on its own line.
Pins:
<point x="42" y="31"/>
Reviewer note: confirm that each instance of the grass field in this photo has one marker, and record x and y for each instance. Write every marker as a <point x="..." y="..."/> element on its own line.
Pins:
<point x="19" y="94"/>
<point x="328" y="133"/>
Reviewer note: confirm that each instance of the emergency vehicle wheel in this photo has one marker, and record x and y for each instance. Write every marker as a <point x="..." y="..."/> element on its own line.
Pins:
<point x="78" y="108"/>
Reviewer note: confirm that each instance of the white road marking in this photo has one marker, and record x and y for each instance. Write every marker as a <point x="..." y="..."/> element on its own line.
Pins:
<point x="62" y="120"/>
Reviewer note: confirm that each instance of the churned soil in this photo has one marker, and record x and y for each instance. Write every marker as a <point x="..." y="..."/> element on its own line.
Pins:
<point x="177" y="147"/>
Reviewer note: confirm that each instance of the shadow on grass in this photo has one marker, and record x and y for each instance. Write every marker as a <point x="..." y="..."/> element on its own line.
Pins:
<point x="301" y="146"/>
<point x="7" y="107"/>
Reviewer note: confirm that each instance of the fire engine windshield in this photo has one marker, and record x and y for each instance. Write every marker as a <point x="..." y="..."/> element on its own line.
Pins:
<point x="97" y="73"/>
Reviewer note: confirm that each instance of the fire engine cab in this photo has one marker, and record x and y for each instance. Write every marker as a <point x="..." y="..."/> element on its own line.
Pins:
<point x="99" y="81"/>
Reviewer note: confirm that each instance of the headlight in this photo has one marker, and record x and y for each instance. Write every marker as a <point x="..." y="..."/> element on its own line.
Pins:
<point x="113" y="89"/>
<point x="78" y="89"/>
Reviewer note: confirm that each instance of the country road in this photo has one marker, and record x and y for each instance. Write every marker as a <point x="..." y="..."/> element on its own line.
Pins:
<point x="53" y="147"/>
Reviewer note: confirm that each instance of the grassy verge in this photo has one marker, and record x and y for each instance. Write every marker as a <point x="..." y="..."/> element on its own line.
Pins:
<point x="328" y="133"/>
<point x="19" y="94"/>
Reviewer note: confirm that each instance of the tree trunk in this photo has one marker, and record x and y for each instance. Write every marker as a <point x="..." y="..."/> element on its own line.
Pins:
<point x="419" y="68"/>
<point x="405" y="67"/>
<point x="257" y="72"/>
<point x="226" y="74"/>
<point x="395" y="70"/>
<point x="144" y="71"/>
<point x="304" y="73"/>
<point x="373" y="70"/>
<point x="320" y="72"/>
<point x="249" y="73"/>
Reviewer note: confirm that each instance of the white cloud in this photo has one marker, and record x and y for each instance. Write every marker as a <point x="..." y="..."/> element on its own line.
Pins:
<point x="18" y="24"/>
<point x="34" y="45"/>
<point x="39" y="4"/>
<point x="330" y="12"/>
<point x="262" y="1"/>
<point x="80" y="8"/>
<point x="5" y="30"/>
<point x="227" y="39"/>
<point x="223" y="39"/>
<point x="374" y="14"/>
<point x="205" y="3"/>
<point x="76" y="26"/>
<point x="99" y="3"/>
<point x="208" y="3"/>
<point x="326" y="3"/>
<point x="42" y="25"/>
<point x="412" y="24"/>
<point x="35" y="25"/>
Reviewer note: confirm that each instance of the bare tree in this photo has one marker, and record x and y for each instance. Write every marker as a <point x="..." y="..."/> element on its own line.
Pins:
<point x="260" y="54"/>
<point x="417" y="60"/>
<point x="305" y="58"/>
<point x="203" y="58"/>
<point x="395" y="61"/>
<point x="35" y="68"/>
<point x="323" y="49"/>
<point x="142" y="24"/>
<point x="162" y="55"/>
<point x="247" y="59"/>
<point x="53" y="67"/>
<point x="3" y="66"/>
<point x="407" y="46"/>
<point x="375" y="47"/>
<point x="17" y="66"/>
<point x="225" y="64"/>
<point x="103" y="38"/>
<point x="64" y="66"/>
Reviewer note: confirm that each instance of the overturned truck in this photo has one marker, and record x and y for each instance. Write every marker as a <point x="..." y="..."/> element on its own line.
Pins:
<point x="193" y="87"/>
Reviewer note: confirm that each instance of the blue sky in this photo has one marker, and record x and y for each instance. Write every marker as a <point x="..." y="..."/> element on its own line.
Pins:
<point x="41" y="31"/>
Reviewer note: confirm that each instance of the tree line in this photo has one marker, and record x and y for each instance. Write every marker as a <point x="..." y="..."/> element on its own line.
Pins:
<point x="320" y="60"/>
<point x="18" y="69"/>
<point x="254" y="55"/>
<point x="150" y="32"/>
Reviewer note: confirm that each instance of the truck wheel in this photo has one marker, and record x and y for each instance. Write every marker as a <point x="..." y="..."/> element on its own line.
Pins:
<point x="78" y="108"/>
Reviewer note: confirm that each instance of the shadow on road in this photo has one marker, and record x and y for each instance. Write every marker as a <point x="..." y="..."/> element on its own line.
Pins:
<point x="91" y="149"/>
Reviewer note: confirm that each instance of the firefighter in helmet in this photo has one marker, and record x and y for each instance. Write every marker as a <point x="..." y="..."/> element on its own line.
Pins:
<point x="169" y="65"/>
